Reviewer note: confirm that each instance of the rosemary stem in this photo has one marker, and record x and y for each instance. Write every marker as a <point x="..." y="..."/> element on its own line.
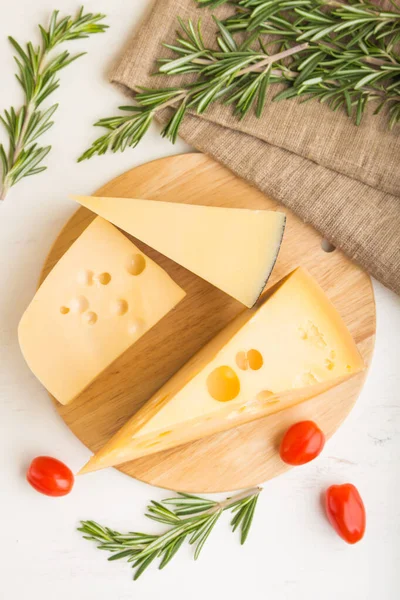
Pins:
<point x="185" y="523"/>
<point x="173" y="101"/>
<point x="7" y="182"/>
<point x="4" y="189"/>
<point x="274" y="58"/>
<point x="225" y="504"/>
<point x="336" y="51"/>
<point x="29" y="110"/>
<point x="38" y="79"/>
<point x="379" y="62"/>
<point x="126" y="124"/>
<point x="203" y="61"/>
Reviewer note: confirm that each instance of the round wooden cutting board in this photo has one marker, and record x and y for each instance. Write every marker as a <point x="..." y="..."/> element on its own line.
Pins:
<point x="246" y="455"/>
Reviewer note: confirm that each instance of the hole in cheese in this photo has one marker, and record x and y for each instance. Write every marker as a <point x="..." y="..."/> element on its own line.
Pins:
<point x="251" y="359"/>
<point x="85" y="277"/>
<point x="79" y="304"/>
<point x="304" y="379"/>
<point x="223" y="384"/>
<point x="104" y="278"/>
<point x="120" y="307"/>
<point x="264" y="396"/>
<point x="90" y="318"/>
<point x="136" y="264"/>
<point x="329" y="364"/>
<point x="255" y="360"/>
<point x="241" y="361"/>
<point x="136" y="326"/>
<point x="311" y="333"/>
<point x="64" y="310"/>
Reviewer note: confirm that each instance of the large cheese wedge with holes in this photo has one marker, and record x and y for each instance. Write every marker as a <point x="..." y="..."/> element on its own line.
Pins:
<point x="101" y="297"/>
<point x="235" y="249"/>
<point x="293" y="346"/>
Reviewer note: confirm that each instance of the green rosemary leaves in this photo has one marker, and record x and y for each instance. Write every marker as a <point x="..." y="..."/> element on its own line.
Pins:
<point x="188" y="518"/>
<point x="37" y="74"/>
<point x="343" y="54"/>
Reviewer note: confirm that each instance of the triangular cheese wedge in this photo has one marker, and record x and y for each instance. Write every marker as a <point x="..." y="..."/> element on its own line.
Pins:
<point x="234" y="249"/>
<point x="289" y="349"/>
<point x="99" y="299"/>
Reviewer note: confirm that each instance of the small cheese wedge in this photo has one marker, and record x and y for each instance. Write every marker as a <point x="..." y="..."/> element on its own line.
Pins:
<point x="289" y="349"/>
<point x="232" y="248"/>
<point x="101" y="297"/>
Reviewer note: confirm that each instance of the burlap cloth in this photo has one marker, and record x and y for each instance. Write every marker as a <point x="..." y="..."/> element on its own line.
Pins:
<point x="343" y="179"/>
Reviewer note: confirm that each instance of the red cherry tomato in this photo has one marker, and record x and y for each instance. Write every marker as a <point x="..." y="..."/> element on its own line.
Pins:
<point x="50" y="476"/>
<point x="346" y="512"/>
<point x="301" y="443"/>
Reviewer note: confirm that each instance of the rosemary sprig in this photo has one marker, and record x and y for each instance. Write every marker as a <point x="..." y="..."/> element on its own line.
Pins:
<point x="322" y="18"/>
<point x="188" y="518"/>
<point x="37" y="75"/>
<point x="219" y="74"/>
<point x="341" y="54"/>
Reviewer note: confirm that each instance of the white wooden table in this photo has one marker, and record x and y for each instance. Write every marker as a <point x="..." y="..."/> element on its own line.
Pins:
<point x="292" y="553"/>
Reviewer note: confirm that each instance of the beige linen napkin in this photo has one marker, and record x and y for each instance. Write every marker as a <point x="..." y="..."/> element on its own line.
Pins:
<point x="343" y="179"/>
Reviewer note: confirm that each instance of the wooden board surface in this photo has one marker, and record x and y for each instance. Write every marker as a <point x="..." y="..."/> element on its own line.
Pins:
<point x="247" y="455"/>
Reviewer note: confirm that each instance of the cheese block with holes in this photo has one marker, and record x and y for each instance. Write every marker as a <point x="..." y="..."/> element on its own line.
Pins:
<point x="234" y="249"/>
<point x="291" y="347"/>
<point x="101" y="297"/>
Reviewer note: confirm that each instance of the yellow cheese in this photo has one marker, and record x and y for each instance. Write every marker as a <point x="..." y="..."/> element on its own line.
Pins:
<point x="289" y="349"/>
<point x="234" y="249"/>
<point x="101" y="297"/>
